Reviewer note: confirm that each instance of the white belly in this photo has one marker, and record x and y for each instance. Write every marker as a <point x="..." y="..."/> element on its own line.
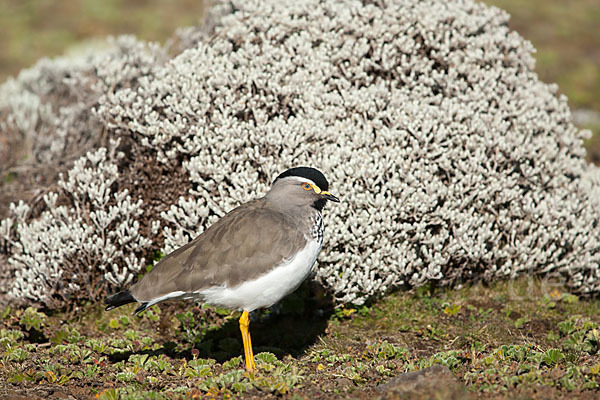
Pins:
<point x="268" y="289"/>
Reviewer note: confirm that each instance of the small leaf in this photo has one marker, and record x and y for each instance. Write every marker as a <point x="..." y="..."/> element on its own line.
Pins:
<point x="452" y="309"/>
<point x="222" y="311"/>
<point x="60" y="336"/>
<point x="31" y="318"/>
<point x="108" y="394"/>
<point x="348" y="311"/>
<point x="50" y="376"/>
<point x="5" y="313"/>
<point x="570" y="298"/>
<point x="521" y="322"/>
<point x="566" y="327"/>
<point x="265" y="358"/>
<point x="552" y="357"/>
<point x="235" y="362"/>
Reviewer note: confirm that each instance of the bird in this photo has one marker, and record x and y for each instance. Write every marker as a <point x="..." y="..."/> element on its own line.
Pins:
<point x="250" y="258"/>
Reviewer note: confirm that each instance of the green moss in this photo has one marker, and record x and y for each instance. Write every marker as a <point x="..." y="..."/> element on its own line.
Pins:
<point x="507" y="339"/>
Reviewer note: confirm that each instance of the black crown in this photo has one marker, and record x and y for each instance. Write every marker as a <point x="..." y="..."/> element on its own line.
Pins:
<point x="309" y="173"/>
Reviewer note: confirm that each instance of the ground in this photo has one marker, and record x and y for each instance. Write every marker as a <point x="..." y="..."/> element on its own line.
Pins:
<point x="517" y="339"/>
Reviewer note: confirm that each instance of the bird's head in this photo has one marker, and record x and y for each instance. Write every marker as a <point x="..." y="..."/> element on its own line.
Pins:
<point x="301" y="186"/>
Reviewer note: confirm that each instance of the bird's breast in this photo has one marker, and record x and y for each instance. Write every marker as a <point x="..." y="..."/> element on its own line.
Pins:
<point x="269" y="288"/>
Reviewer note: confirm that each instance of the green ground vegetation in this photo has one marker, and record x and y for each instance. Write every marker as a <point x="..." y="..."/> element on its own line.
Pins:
<point x="566" y="37"/>
<point x="517" y="339"/>
<point x="565" y="34"/>
<point x="32" y="29"/>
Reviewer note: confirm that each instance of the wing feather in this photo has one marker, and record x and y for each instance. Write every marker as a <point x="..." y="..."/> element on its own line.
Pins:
<point x="243" y="245"/>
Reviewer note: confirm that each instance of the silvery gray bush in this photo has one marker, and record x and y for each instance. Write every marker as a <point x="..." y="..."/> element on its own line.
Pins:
<point x="453" y="161"/>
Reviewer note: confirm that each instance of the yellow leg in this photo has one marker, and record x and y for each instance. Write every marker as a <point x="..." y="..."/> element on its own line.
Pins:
<point x="244" y="324"/>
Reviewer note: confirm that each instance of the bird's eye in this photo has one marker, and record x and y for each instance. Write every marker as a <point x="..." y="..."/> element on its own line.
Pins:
<point x="306" y="186"/>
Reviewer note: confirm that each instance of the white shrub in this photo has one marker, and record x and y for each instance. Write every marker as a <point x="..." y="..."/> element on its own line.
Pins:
<point x="452" y="160"/>
<point x="48" y="106"/>
<point x="68" y="250"/>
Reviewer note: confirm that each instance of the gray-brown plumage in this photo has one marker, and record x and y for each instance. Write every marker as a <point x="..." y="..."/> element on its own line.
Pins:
<point x="243" y="245"/>
<point x="250" y="258"/>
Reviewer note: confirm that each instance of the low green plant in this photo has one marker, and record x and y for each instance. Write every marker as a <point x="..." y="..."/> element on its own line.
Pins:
<point x="5" y="313"/>
<point x="199" y="368"/>
<point x="60" y="336"/>
<point x="522" y="321"/>
<point x="451" y="359"/>
<point x="108" y="394"/>
<point x="234" y="363"/>
<point x="191" y="331"/>
<point x="452" y="309"/>
<point x="552" y="357"/>
<point x="97" y="345"/>
<point x="31" y="318"/>
<point x="138" y="360"/>
<point x="159" y="364"/>
<point x="10" y="337"/>
<point x="386" y="351"/>
<point x="17" y="354"/>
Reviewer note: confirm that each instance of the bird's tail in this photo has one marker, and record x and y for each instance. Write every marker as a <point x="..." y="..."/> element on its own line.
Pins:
<point x="122" y="298"/>
<point x="119" y="299"/>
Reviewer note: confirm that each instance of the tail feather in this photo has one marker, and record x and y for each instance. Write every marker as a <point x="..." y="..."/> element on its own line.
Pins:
<point x="119" y="299"/>
<point x="141" y="308"/>
<point x="122" y="298"/>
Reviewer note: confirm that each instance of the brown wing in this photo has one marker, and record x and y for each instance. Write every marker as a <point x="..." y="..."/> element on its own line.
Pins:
<point x="243" y="245"/>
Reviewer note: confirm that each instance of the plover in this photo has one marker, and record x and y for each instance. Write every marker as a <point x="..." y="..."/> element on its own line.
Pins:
<point x="249" y="259"/>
